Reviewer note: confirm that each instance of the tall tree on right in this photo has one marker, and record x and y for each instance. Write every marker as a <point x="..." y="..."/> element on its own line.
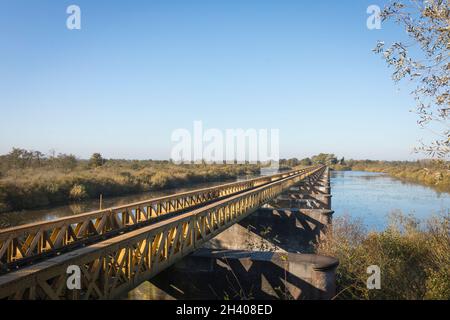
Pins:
<point x="425" y="62"/>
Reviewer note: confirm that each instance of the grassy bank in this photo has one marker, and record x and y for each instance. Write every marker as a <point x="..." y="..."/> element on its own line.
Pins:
<point x="50" y="183"/>
<point x="430" y="173"/>
<point x="433" y="173"/>
<point x="414" y="259"/>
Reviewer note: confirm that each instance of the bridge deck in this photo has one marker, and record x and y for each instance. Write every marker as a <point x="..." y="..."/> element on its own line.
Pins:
<point x="26" y="244"/>
<point x="113" y="266"/>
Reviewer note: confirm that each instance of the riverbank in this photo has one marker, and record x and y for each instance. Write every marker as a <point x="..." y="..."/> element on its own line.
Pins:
<point x="31" y="188"/>
<point x="373" y="196"/>
<point x="413" y="258"/>
<point x="429" y="173"/>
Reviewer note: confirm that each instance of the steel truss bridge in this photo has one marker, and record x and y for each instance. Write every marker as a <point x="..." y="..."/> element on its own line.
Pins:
<point x="118" y="248"/>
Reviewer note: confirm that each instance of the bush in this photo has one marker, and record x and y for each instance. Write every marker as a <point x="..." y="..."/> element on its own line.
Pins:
<point x="4" y="206"/>
<point x="414" y="260"/>
<point x="160" y="180"/>
<point x="78" y="192"/>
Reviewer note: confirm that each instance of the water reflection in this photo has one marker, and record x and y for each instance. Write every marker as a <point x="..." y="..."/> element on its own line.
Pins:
<point x="15" y="218"/>
<point x="373" y="196"/>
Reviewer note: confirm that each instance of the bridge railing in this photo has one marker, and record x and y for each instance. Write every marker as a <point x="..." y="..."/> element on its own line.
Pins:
<point x="22" y="244"/>
<point x="115" y="266"/>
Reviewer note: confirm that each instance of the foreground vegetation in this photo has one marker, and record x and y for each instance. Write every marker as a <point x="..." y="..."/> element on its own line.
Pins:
<point x="413" y="258"/>
<point x="31" y="179"/>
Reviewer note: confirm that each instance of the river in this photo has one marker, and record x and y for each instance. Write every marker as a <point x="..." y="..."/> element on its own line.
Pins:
<point x="15" y="218"/>
<point x="373" y="196"/>
<point x="366" y="195"/>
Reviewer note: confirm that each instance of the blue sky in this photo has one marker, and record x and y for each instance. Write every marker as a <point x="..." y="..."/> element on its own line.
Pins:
<point x="137" y="70"/>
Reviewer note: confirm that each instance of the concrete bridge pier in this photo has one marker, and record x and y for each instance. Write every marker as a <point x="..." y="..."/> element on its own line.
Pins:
<point x="233" y="274"/>
<point x="311" y="198"/>
<point x="313" y="193"/>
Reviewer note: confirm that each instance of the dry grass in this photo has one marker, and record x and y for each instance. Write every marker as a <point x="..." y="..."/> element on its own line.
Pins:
<point x="37" y="187"/>
<point x="414" y="258"/>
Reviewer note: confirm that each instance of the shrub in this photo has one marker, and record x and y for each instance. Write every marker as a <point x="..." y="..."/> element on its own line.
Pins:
<point x="4" y="206"/>
<point x="160" y="180"/>
<point x="414" y="260"/>
<point x="78" y="192"/>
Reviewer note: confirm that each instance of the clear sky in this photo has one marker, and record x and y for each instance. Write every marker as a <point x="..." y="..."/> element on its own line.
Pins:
<point x="138" y="70"/>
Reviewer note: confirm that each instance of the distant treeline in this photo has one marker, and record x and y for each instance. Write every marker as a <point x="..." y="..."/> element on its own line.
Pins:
<point x="434" y="173"/>
<point x="322" y="158"/>
<point x="31" y="179"/>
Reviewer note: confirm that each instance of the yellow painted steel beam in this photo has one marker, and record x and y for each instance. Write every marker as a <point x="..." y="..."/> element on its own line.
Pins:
<point x="23" y="244"/>
<point x="112" y="267"/>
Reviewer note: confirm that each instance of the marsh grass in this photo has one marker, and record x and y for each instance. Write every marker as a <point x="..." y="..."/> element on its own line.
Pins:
<point x="414" y="258"/>
<point x="27" y="188"/>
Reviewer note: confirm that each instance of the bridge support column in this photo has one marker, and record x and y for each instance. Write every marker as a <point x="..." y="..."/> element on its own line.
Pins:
<point x="278" y="230"/>
<point x="312" y="197"/>
<point x="313" y="193"/>
<point x="220" y="274"/>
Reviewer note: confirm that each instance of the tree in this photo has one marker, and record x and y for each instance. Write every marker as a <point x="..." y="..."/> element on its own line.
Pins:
<point x="293" y="162"/>
<point x="306" y="162"/>
<point x="425" y="62"/>
<point x="324" y="158"/>
<point x="19" y="158"/>
<point x="66" y="161"/>
<point x="96" y="160"/>
<point x="39" y="157"/>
